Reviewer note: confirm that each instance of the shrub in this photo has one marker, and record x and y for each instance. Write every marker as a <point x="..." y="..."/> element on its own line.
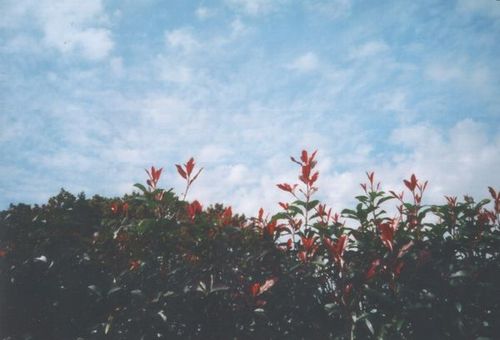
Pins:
<point x="152" y="265"/>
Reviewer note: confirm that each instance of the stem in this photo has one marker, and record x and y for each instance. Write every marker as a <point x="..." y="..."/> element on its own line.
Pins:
<point x="353" y="327"/>
<point x="186" y="191"/>
<point x="308" y="196"/>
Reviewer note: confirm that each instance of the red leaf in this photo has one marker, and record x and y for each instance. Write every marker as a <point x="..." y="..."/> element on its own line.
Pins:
<point x="493" y="193"/>
<point x="370" y="176"/>
<point x="452" y="201"/>
<point x="412" y="183"/>
<point x="387" y="233"/>
<point x="347" y="292"/>
<point x="284" y="205"/>
<point x="190" y="166"/>
<point x="295" y="161"/>
<point x="254" y="289"/>
<point x="270" y="228"/>
<point x="303" y="156"/>
<point x="181" y="171"/>
<point x="302" y="256"/>
<point x="157" y="174"/>
<point x="114" y="207"/>
<point x="227" y="216"/>
<point x="154" y="176"/>
<point x="408" y="184"/>
<point x="397" y="268"/>
<point x="336" y="248"/>
<point x="311" y="159"/>
<point x="134" y="264"/>
<point x="413" y="180"/>
<point x="261" y="214"/>
<point x="314" y="178"/>
<point x="373" y="269"/>
<point x="193" y="209"/>
<point x="308" y="243"/>
<point x="287" y="187"/>
<point x="267" y="284"/>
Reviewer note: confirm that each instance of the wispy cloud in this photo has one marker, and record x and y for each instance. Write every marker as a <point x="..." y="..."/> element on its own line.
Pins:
<point x="482" y="7"/>
<point x="255" y="7"/>
<point x="305" y="63"/>
<point x="332" y="9"/>
<point x="369" y="49"/>
<point x="70" y="27"/>
<point x="203" y="12"/>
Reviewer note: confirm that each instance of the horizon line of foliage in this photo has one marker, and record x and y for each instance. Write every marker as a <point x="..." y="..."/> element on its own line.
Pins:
<point x="152" y="265"/>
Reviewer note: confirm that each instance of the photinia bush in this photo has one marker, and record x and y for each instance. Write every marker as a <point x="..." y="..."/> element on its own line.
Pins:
<point x="151" y="265"/>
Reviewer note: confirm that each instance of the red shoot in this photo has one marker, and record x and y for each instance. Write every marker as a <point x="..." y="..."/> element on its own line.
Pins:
<point x="115" y="207"/>
<point x="387" y="231"/>
<point x="194" y="209"/>
<point x="154" y="176"/>
<point x="373" y="269"/>
<point x="412" y="183"/>
<point x="336" y="248"/>
<point x="255" y="289"/>
<point x="226" y="216"/>
<point x="287" y="187"/>
<point x="186" y="173"/>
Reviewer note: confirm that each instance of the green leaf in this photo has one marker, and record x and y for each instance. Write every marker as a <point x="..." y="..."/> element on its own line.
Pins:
<point x="481" y="203"/>
<point x="348" y="212"/>
<point x="369" y="326"/>
<point x="363" y="199"/>
<point x="312" y="204"/>
<point x="382" y="200"/>
<point x="140" y="186"/>
<point x="299" y="202"/>
<point x="296" y="210"/>
<point x="408" y="206"/>
<point x="280" y="216"/>
<point x="460" y="273"/>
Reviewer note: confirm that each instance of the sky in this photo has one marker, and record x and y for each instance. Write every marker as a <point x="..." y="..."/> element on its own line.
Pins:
<point x="93" y="92"/>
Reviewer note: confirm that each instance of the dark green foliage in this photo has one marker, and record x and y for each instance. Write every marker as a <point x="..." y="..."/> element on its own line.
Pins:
<point x="144" y="267"/>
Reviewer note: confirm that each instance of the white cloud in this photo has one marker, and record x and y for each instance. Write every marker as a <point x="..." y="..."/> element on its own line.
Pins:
<point x="256" y="7"/>
<point x="238" y="174"/>
<point x="12" y="11"/>
<point x="22" y="43"/>
<point x="458" y="161"/>
<point x="165" y="110"/>
<point x="443" y="72"/>
<point x="116" y="65"/>
<point x="305" y="63"/>
<point x="369" y="49"/>
<point x="332" y="9"/>
<point x="182" y="39"/>
<point x="203" y="12"/>
<point x="489" y="8"/>
<point x="72" y="27"/>
<point x="173" y="70"/>
<point x="213" y="153"/>
<point x="459" y="72"/>
<point x="75" y="27"/>
<point x="238" y="28"/>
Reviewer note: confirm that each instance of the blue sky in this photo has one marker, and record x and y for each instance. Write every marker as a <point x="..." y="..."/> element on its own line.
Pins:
<point x="93" y="92"/>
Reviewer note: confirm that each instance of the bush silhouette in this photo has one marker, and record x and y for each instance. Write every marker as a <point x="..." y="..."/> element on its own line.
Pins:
<point x="152" y="265"/>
